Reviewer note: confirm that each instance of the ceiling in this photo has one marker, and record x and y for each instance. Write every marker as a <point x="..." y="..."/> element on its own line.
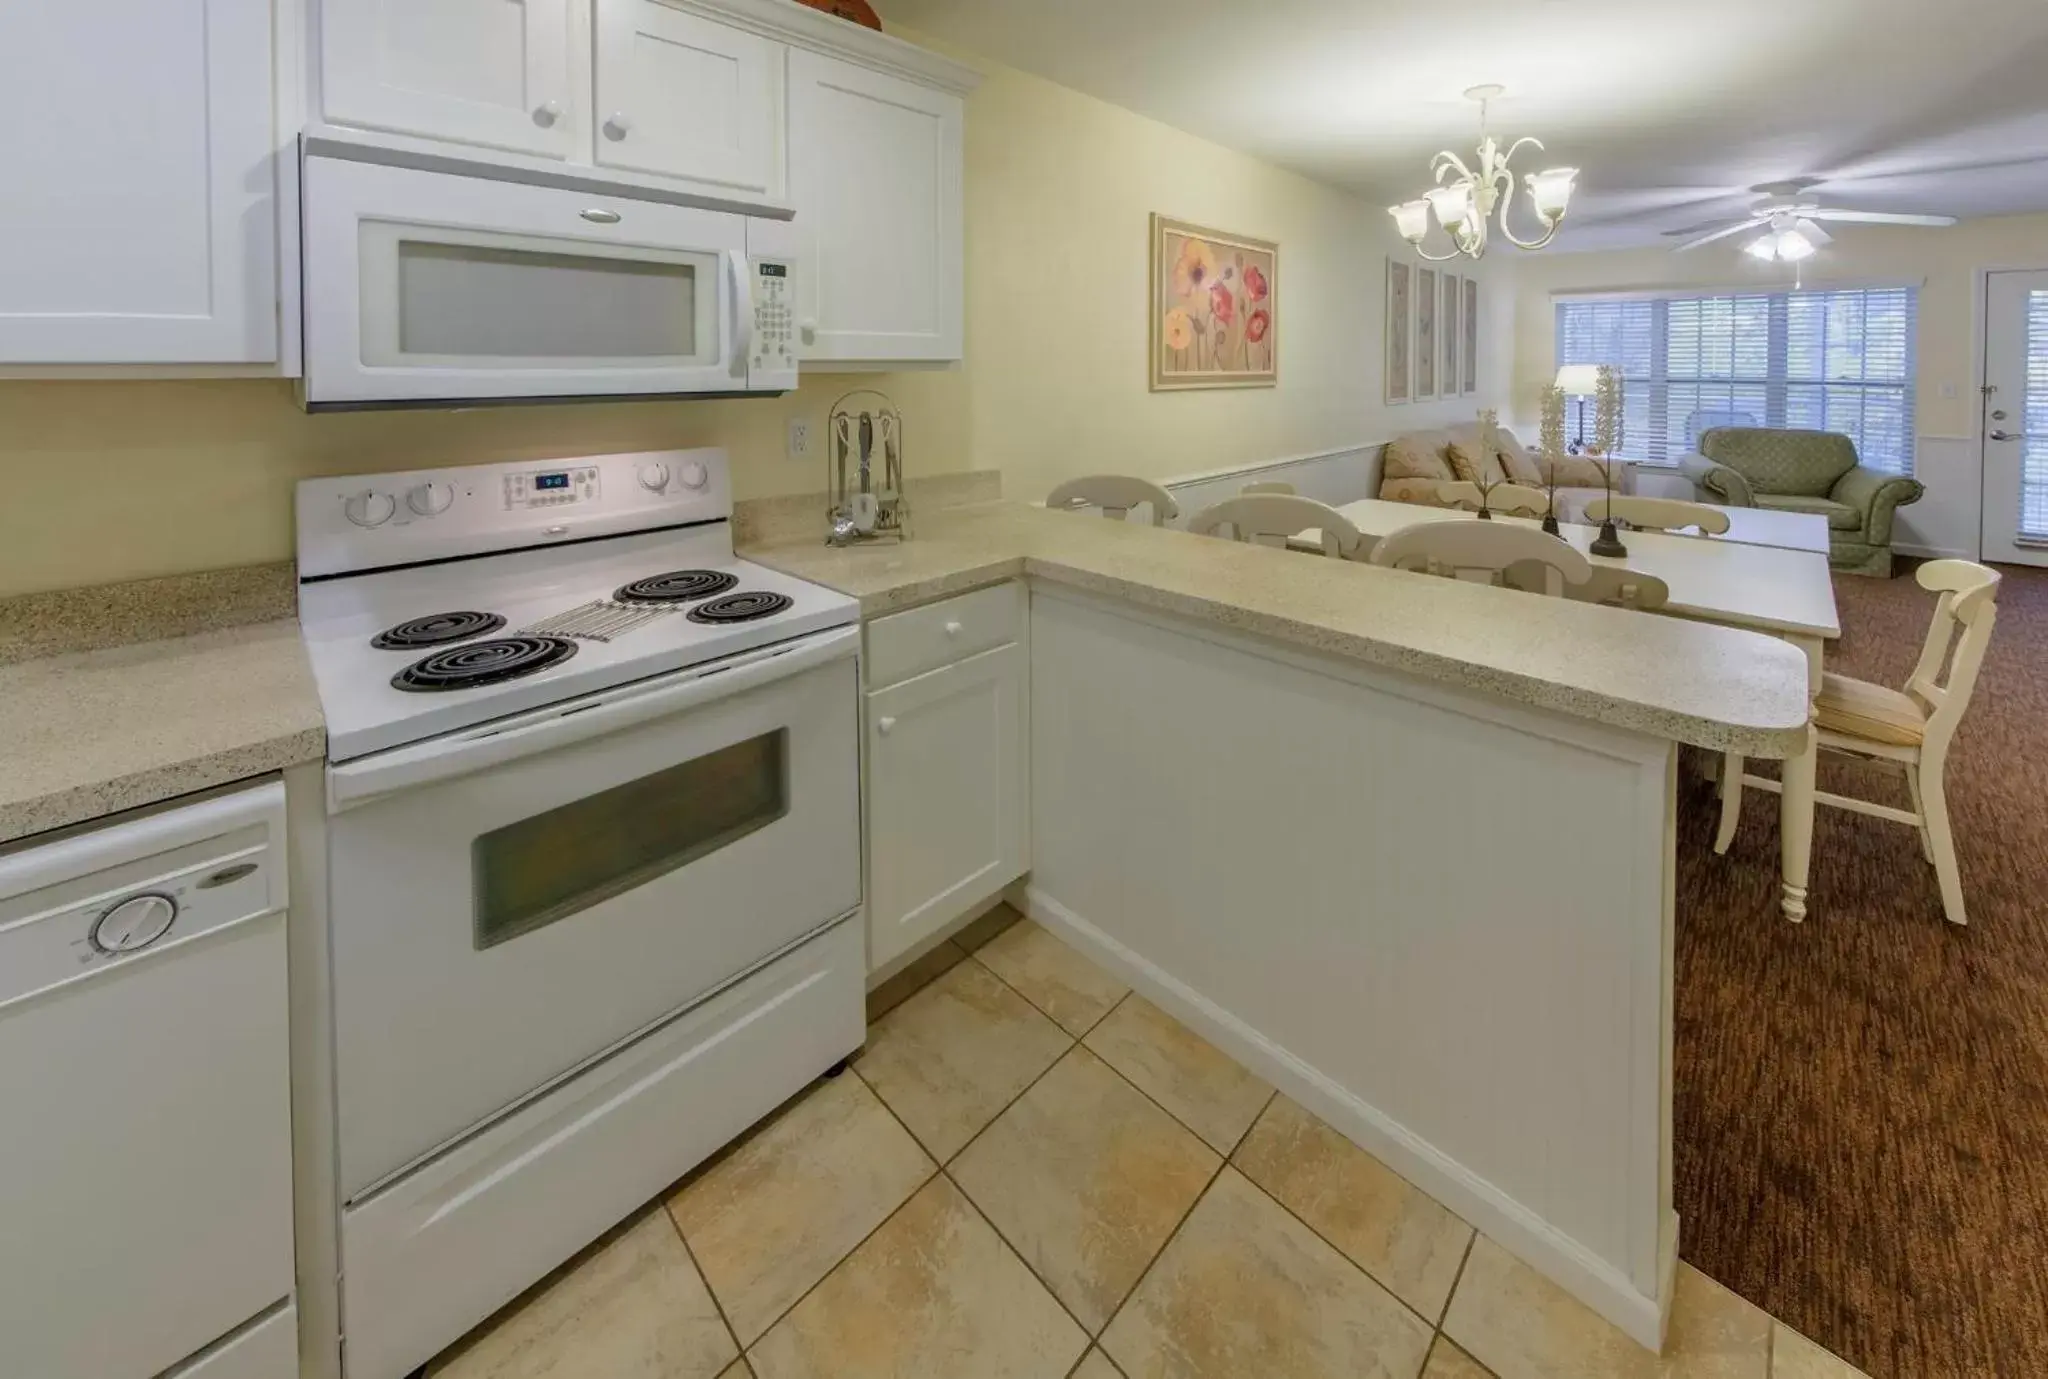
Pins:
<point x="1671" y="108"/>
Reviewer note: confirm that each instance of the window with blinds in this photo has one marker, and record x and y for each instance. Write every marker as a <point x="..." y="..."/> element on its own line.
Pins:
<point x="2034" y="449"/>
<point x="1828" y="361"/>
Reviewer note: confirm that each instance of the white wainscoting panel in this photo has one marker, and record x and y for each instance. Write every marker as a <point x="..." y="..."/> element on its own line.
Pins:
<point x="1440" y="921"/>
<point x="1949" y="520"/>
<point x="1336" y="477"/>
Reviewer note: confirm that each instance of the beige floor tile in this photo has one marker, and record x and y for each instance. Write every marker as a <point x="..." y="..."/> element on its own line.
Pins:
<point x="952" y="1056"/>
<point x="1052" y="976"/>
<point x="1182" y="1071"/>
<point x="933" y="1293"/>
<point x="1795" y="1357"/>
<point x="1389" y="1227"/>
<point x="1522" y="1326"/>
<point x="1096" y="1365"/>
<point x="987" y="927"/>
<point x="1087" y="1179"/>
<point x="913" y="979"/>
<point x="633" y="1308"/>
<point x="1245" y="1289"/>
<point x="1449" y="1362"/>
<point x="773" y="1217"/>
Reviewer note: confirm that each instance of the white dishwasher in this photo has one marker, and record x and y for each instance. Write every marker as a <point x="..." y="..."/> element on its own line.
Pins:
<point x="145" y="1122"/>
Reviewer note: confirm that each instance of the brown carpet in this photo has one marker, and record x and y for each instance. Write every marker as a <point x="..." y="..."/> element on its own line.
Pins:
<point x="1862" y="1101"/>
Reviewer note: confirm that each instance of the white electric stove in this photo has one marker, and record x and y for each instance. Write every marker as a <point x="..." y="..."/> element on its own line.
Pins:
<point x="593" y="876"/>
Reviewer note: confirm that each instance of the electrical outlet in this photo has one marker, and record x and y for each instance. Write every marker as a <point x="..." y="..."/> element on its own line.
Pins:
<point x="799" y="438"/>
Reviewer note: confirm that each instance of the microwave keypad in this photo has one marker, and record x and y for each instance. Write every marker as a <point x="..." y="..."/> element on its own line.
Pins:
<point x="774" y="323"/>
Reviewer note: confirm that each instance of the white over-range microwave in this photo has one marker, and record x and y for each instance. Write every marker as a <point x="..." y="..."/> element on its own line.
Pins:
<point x="431" y="288"/>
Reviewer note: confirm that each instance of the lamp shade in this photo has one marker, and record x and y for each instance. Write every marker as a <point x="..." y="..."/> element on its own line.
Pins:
<point x="1551" y="190"/>
<point x="1452" y="203"/>
<point x="1411" y="218"/>
<point x="1579" y="380"/>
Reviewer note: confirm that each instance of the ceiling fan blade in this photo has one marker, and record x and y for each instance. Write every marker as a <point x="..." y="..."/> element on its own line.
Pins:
<point x="1721" y="233"/>
<point x="1881" y="217"/>
<point x="1821" y="238"/>
<point x="1701" y="228"/>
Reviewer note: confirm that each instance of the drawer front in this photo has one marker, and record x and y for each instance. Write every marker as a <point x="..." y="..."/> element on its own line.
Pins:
<point x="267" y="1350"/>
<point x="903" y="645"/>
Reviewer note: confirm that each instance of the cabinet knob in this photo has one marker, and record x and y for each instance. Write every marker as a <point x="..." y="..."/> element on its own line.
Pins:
<point x="809" y="328"/>
<point x="618" y="126"/>
<point x="546" y="113"/>
<point x="885" y="726"/>
<point x="952" y="629"/>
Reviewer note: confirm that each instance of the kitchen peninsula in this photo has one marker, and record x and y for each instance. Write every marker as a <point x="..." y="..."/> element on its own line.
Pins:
<point x="1402" y="845"/>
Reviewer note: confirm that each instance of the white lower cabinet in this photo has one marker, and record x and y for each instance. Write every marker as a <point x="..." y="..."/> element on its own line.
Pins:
<point x="948" y="795"/>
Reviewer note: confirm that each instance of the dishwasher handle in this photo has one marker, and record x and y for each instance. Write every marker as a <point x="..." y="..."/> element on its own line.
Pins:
<point x="460" y="754"/>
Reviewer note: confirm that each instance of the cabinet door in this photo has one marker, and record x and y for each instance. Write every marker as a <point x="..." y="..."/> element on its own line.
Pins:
<point x="947" y="796"/>
<point x="489" y="72"/>
<point x="874" y="172"/>
<point x="683" y="96"/>
<point x="138" y="210"/>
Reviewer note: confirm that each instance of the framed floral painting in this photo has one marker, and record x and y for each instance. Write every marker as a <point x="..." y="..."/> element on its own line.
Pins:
<point x="1450" y="323"/>
<point x="1425" y="333"/>
<point x="1400" y="325"/>
<point x="1471" y="341"/>
<point x="1215" y="309"/>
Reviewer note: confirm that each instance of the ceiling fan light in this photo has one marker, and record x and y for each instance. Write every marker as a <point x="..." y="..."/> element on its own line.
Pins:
<point x="1551" y="190"/>
<point x="1764" y="247"/>
<point x="1793" y="246"/>
<point x="1411" y="218"/>
<point x="1452" y="203"/>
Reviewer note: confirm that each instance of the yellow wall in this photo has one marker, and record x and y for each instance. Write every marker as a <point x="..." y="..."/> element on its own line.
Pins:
<point x="103" y="481"/>
<point x="1944" y="263"/>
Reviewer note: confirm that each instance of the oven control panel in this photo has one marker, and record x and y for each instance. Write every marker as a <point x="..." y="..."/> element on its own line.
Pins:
<point x="551" y="488"/>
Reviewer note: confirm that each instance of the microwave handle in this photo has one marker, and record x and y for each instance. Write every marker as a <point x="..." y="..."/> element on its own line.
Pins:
<point x="449" y="757"/>
<point x="742" y="307"/>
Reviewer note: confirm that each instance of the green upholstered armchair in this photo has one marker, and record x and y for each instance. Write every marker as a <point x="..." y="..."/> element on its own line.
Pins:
<point x="1807" y="471"/>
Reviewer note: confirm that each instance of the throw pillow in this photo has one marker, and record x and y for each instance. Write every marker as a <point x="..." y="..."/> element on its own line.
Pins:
<point x="1418" y="455"/>
<point x="1582" y="471"/>
<point x="1471" y="464"/>
<point x="1521" y="466"/>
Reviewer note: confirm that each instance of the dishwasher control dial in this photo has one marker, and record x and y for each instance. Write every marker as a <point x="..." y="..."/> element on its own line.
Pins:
<point x="134" y="923"/>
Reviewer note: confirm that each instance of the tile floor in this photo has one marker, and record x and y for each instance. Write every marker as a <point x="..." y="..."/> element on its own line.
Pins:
<point x="1031" y="1171"/>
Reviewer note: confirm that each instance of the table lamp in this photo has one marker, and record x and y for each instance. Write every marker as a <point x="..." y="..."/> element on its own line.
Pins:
<point x="1579" y="381"/>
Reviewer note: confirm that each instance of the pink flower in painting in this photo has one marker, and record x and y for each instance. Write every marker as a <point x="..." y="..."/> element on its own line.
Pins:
<point x="1256" y="326"/>
<point x="1254" y="284"/>
<point x="1222" y="305"/>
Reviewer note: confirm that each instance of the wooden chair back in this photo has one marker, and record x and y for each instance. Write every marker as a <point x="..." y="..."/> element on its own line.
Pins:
<point x="1116" y="495"/>
<point x="1508" y="498"/>
<point x="1957" y="638"/>
<point x="1267" y="486"/>
<point x="1268" y="519"/>
<point x="1485" y="552"/>
<point x="1658" y="514"/>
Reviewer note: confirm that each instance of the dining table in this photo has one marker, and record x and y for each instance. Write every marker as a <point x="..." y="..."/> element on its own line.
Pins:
<point x="1785" y="592"/>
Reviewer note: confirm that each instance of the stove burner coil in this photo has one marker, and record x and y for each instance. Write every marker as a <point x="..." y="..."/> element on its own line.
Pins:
<point x="678" y="586"/>
<point x="437" y="630"/>
<point x="742" y="607"/>
<point x="483" y="663"/>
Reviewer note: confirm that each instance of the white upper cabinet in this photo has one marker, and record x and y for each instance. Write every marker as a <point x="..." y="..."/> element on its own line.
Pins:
<point x="137" y="197"/>
<point x="495" y="73"/>
<point x="874" y="173"/>
<point x="683" y="96"/>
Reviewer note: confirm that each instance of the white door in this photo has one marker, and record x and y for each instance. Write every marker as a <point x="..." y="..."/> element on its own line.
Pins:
<point x="490" y="72"/>
<point x="2016" y="418"/>
<point x="874" y="172"/>
<point x="682" y="96"/>
<point x="137" y="201"/>
<point x="946" y="796"/>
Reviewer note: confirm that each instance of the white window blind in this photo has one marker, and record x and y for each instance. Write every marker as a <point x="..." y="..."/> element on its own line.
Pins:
<point x="1837" y="360"/>
<point x="2034" y="452"/>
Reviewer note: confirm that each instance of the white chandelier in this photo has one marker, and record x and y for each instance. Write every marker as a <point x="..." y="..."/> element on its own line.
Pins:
<point x="1465" y="201"/>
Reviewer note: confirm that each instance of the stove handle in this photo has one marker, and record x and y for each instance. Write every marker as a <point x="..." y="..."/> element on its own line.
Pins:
<point x="355" y="782"/>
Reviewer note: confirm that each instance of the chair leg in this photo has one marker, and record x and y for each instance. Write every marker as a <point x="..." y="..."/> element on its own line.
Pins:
<point x="1731" y="800"/>
<point x="1943" y="844"/>
<point x="1920" y="808"/>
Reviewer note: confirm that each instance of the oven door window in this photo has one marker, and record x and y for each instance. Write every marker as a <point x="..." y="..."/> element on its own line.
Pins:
<point x="550" y="866"/>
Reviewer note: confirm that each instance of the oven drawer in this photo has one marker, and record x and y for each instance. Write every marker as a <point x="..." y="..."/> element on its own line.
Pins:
<point x="439" y="1250"/>
<point x="904" y="645"/>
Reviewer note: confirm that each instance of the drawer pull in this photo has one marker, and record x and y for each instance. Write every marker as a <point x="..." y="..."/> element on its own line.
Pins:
<point x="952" y="629"/>
<point x="884" y="725"/>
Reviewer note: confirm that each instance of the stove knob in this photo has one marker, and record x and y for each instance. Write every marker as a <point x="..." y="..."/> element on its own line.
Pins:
<point x="370" y="508"/>
<point x="695" y="475"/>
<point x="654" y="477"/>
<point x="133" y="924"/>
<point x="428" y="499"/>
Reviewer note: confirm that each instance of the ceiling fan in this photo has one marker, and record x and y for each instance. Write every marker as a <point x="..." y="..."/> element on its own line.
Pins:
<point x="1789" y="216"/>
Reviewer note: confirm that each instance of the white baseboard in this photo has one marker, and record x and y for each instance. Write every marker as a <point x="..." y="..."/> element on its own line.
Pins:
<point x="1512" y="1225"/>
<point x="1933" y="552"/>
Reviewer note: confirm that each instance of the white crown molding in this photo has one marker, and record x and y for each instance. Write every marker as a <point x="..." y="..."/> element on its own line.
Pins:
<point x="801" y="26"/>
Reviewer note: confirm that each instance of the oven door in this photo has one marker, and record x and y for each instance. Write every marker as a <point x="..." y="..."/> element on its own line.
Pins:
<point x="509" y="904"/>
<point x="429" y="287"/>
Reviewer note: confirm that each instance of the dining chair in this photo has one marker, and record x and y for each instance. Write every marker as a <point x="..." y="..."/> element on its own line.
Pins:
<point x="1658" y="514"/>
<point x="1280" y="486"/>
<point x="1911" y="729"/>
<point x="1116" y="495"/>
<point x="1622" y="589"/>
<point x="1269" y="519"/>
<point x="1485" y="552"/>
<point x="1514" y="499"/>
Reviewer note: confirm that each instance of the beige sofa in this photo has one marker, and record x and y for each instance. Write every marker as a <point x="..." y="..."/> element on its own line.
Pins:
<point x="1412" y="465"/>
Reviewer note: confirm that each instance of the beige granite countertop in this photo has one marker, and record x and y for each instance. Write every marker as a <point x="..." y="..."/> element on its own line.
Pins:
<point x="94" y="732"/>
<point x="1712" y="687"/>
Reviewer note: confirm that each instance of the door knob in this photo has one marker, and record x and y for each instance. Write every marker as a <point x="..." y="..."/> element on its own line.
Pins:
<point x="546" y="113"/>
<point x="618" y="126"/>
<point x="885" y="725"/>
<point x="2003" y="436"/>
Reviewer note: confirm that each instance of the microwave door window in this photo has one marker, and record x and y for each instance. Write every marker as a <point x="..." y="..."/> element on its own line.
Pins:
<point x="469" y="301"/>
<point x="532" y="873"/>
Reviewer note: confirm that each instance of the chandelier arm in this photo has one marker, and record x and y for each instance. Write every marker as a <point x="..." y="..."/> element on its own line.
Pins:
<point x="1447" y="160"/>
<point x="1425" y="255"/>
<point x="1549" y="231"/>
<point x="1516" y="147"/>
